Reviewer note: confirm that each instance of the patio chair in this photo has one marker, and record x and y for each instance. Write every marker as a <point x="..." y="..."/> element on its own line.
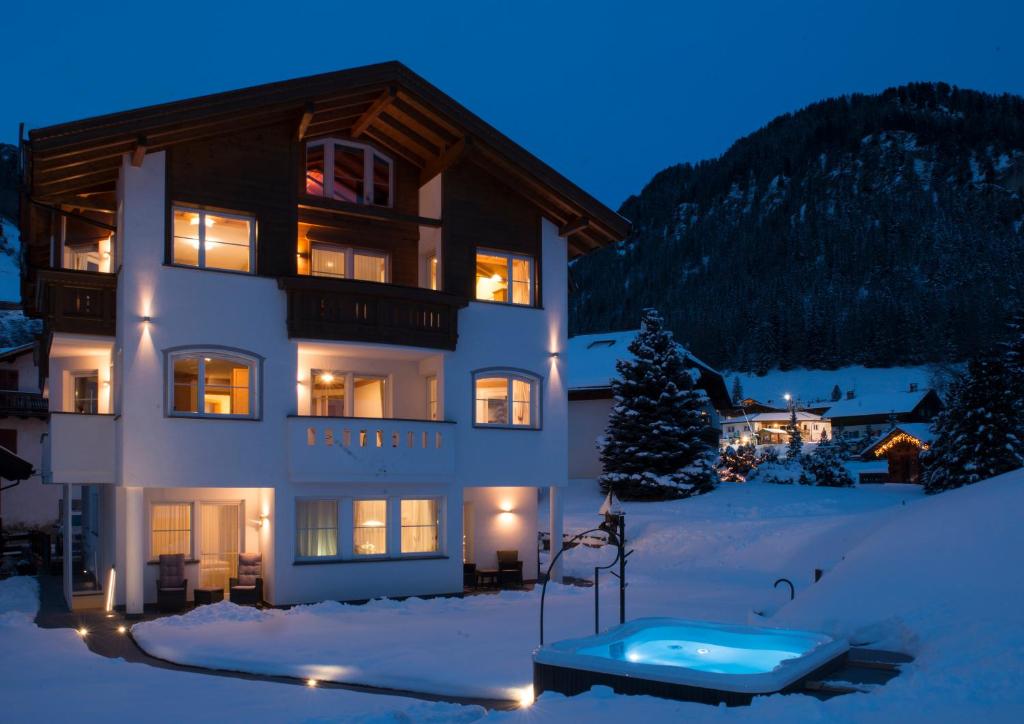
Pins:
<point x="469" y="575"/>
<point x="510" y="569"/>
<point x="171" y="584"/>
<point x="247" y="588"/>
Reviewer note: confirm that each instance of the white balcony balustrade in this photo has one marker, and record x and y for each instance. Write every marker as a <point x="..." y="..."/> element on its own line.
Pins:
<point x="79" y="449"/>
<point x="360" y="450"/>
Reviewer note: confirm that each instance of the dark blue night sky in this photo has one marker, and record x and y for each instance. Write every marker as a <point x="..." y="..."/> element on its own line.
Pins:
<point x="607" y="93"/>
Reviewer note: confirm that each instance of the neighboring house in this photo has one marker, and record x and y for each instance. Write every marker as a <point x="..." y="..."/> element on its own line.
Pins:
<point x="748" y="406"/>
<point x="23" y="414"/>
<point x="863" y="417"/>
<point x="770" y="428"/>
<point x="901" y="448"/>
<point x="591" y="366"/>
<point x="323" y="320"/>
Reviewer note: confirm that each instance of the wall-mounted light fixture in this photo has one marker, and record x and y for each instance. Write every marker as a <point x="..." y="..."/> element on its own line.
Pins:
<point x="264" y="519"/>
<point x="147" y="319"/>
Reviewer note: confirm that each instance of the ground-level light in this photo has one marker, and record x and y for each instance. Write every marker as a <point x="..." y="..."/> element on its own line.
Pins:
<point x="526" y="696"/>
<point x="311" y="683"/>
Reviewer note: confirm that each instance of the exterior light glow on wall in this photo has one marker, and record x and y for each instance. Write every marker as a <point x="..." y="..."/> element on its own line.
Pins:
<point x="506" y="506"/>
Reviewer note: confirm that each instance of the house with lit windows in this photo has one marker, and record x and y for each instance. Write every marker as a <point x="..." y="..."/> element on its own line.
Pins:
<point x="326" y="320"/>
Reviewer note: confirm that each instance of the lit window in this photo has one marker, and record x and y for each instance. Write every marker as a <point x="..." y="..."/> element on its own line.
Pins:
<point x="432" y="401"/>
<point x="369" y="527"/>
<point x="343" y="394"/>
<point x="432" y="271"/>
<point x="369" y="396"/>
<point x="341" y="262"/>
<point x="209" y="240"/>
<point x="170" y="529"/>
<point x="420" y="524"/>
<point x="506" y="399"/>
<point x="86" y="390"/>
<point x="211" y="384"/>
<point x="316" y="528"/>
<point x="348" y="171"/>
<point x="505" y="278"/>
<point x="328" y="393"/>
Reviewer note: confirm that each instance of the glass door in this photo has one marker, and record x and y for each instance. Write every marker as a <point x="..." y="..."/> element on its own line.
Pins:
<point x="218" y="544"/>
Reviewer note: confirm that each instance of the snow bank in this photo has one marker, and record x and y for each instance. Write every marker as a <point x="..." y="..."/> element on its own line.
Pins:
<point x="50" y="675"/>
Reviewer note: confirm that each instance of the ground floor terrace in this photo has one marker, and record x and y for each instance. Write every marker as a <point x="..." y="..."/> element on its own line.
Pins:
<point x="309" y="542"/>
<point x="888" y="554"/>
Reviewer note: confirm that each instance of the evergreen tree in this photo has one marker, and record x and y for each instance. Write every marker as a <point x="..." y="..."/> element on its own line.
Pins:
<point x="977" y="436"/>
<point x="825" y="467"/>
<point x="837" y="394"/>
<point x="796" y="443"/>
<point x="656" y="443"/>
<point x="737" y="390"/>
<point x="735" y="463"/>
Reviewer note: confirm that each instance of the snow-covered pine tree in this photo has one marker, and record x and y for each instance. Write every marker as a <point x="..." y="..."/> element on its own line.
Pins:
<point x="796" y="443"/>
<point x="837" y="394"/>
<point x="737" y="390"/>
<point x="736" y="462"/>
<point x="656" y="443"/>
<point x="825" y="467"/>
<point x="977" y="436"/>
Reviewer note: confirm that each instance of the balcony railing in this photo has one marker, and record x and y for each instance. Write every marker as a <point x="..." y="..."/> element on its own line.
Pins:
<point x="23" y="404"/>
<point x="79" y="449"/>
<point x="365" y="450"/>
<point x="81" y="302"/>
<point x="358" y="311"/>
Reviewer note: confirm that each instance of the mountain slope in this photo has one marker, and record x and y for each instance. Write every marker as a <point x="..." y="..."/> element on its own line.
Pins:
<point x="878" y="230"/>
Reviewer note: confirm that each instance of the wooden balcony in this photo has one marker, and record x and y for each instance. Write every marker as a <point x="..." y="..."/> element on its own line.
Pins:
<point x="80" y="302"/>
<point x="356" y="311"/>
<point x="23" y="404"/>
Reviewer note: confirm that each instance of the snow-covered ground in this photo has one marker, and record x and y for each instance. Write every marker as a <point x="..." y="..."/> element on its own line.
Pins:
<point x="50" y="675"/>
<point x="809" y="386"/>
<point x="10" y="272"/>
<point x="713" y="557"/>
<point x="939" y="578"/>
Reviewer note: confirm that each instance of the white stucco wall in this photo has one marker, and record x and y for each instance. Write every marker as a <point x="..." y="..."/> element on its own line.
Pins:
<point x="587" y="421"/>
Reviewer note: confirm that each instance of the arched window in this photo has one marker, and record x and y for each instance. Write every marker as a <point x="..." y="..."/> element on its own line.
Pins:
<point x="506" y="398"/>
<point x="349" y="171"/>
<point x="213" y="382"/>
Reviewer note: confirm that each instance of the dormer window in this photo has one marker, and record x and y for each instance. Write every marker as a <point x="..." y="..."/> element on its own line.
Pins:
<point x="348" y="171"/>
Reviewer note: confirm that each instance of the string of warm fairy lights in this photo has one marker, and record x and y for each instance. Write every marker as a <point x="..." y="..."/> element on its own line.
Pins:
<point x="895" y="440"/>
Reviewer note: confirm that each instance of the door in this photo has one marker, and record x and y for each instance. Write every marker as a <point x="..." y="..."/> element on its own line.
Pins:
<point x="218" y="544"/>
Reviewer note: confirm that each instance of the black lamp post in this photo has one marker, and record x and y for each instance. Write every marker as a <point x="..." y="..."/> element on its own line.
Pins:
<point x="614" y="526"/>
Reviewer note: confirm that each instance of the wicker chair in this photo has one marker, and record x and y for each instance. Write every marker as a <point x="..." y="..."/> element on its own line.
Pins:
<point x="469" y="575"/>
<point x="510" y="569"/>
<point x="171" y="584"/>
<point x="247" y="588"/>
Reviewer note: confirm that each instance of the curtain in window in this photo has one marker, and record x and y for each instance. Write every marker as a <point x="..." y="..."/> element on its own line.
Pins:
<point x="369" y="536"/>
<point x="521" y="402"/>
<point x="419" y="526"/>
<point x="522" y="281"/>
<point x="170" y="529"/>
<point x="327" y="261"/>
<point x="218" y="544"/>
<point x="369" y="267"/>
<point x="317" y="528"/>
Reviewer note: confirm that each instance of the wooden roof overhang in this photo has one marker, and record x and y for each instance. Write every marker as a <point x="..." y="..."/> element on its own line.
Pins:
<point x="77" y="163"/>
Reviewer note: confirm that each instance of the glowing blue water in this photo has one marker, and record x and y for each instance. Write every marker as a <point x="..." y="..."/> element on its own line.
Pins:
<point x="705" y="648"/>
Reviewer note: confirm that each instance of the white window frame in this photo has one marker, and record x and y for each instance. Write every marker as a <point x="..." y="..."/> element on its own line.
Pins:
<point x="203" y="353"/>
<point x="433" y="398"/>
<point x="190" y="554"/>
<point x="73" y="377"/>
<point x="350" y="389"/>
<point x="440" y="526"/>
<point x="511" y="375"/>
<point x="368" y="153"/>
<point x="509" y="257"/>
<point x="337" y="531"/>
<point x="350" y="253"/>
<point x="201" y="259"/>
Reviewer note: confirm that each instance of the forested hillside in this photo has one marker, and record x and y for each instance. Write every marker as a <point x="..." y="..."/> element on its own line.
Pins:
<point x="868" y="229"/>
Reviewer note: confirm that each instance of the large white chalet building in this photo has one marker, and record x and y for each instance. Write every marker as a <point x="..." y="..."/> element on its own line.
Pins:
<point x="326" y="320"/>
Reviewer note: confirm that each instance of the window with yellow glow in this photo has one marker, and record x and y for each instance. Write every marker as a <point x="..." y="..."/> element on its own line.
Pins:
<point x="505" y="399"/>
<point x="213" y="240"/>
<point x="316" y="528"/>
<point x="170" y="529"/>
<point x="342" y="262"/>
<point x="369" y="527"/>
<point x="420" y="524"/>
<point x="205" y="384"/>
<point x="504" y="278"/>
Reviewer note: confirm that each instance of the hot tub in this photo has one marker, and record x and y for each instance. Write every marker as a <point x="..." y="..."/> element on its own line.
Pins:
<point x="689" y="660"/>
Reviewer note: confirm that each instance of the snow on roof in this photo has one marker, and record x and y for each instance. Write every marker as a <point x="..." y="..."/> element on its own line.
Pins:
<point x="920" y="430"/>
<point x="781" y="415"/>
<point x="592" y="357"/>
<point x="881" y="403"/>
